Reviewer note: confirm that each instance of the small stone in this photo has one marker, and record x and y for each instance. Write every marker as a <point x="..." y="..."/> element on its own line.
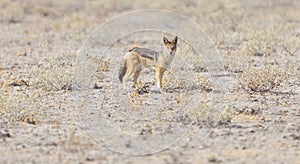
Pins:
<point x="21" y="54"/>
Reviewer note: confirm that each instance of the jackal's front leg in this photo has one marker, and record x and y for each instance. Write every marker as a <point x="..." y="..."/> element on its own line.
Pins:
<point x="159" y="74"/>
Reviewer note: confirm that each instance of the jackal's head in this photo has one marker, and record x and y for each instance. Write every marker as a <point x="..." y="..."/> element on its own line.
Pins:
<point x="171" y="45"/>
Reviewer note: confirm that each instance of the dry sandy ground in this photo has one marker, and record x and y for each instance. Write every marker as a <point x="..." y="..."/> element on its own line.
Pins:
<point x="244" y="109"/>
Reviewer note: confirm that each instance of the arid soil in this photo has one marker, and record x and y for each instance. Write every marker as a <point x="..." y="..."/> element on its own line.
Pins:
<point x="234" y="101"/>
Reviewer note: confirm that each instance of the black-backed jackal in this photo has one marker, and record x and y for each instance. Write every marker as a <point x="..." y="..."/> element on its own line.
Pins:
<point x="138" y="58"/>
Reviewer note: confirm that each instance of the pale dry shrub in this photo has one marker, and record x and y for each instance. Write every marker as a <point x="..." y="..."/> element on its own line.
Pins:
<point x="227" y="114"/>
<point x="262" y="79"/>
<point x="258" y="43"/>
<point x="20" y="107"/>
<point x="203" y="83"/>
<point x="201" y="110"/>
<point x="102" y="64"/>
<point x="76" y="23"/>
<point x="56" y="74"/>
<point x="269" y="41"/>
<point x="63" y="73"/>
<point x="207" y="113"/>
<point x="188" y="55"/>
<point x="175" y="80"/>
<point x="186" y="79"/>
<point x="11" y="11"/>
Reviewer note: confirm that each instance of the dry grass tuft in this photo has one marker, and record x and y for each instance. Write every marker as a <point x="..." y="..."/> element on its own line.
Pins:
<point x="102" y="65"/>
<point x="262" y="79"/>
<point x="12" y="12"/>
<point x="175" y="81"/>
<point x="177" y="78"/>
<point x="204" y="83"/>
<point x="57" y="74"/>
<point x="20" y="107"/>
<point x="257" y="43"/>
<point x="207" y="114"/>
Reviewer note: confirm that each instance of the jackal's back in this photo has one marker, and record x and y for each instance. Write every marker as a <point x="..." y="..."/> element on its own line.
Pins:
<point x="146" y="53"/>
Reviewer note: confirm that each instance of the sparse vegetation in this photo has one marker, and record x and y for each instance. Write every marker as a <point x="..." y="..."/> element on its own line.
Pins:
<point x="204" y="83"/>
<point x="57" y="73"/>
<point x="20" y="108"/>
<point x="43" y="111"/>
<point x="263" y="79"/>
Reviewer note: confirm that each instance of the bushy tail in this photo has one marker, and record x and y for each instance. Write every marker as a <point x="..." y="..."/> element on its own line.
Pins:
<point x="122" y="71"/>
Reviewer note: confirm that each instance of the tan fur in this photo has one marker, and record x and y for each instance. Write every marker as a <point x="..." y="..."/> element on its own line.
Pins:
<point x="138" y="58"/>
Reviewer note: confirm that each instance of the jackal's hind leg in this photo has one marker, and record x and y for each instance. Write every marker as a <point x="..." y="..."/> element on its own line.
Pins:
<point x="136" y="76"/>
<point x="127" y="75"/>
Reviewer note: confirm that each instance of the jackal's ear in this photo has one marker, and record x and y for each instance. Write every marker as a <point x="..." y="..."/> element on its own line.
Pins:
<point x="166" y="41"/>
<point x="175" y="40"/>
